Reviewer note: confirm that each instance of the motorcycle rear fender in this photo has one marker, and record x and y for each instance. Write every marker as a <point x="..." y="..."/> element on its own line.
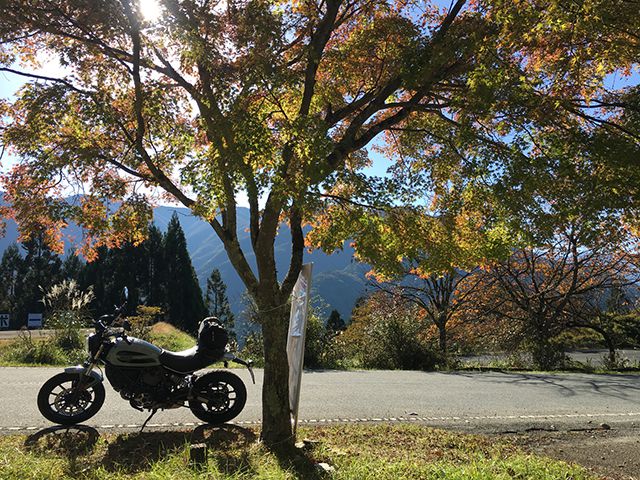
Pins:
<point x="247" y="363"/>
<point x="80" y="370"/>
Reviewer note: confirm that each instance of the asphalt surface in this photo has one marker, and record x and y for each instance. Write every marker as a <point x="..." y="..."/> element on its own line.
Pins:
<point x="595" y="357"/>
<point x="490" y="401"/>
<point x="35" y="333"/>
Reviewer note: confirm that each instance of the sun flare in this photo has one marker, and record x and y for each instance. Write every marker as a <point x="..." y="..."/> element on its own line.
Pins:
<point x="150" y="9"/>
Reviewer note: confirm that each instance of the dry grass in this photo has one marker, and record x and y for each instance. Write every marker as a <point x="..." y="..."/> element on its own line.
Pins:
<point x="169" y="337"/>
<point x="164" y="328"/>
<point x="377" y="452"/>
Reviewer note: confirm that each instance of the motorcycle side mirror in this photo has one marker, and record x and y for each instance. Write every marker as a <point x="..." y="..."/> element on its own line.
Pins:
<point x="125" y="292"/>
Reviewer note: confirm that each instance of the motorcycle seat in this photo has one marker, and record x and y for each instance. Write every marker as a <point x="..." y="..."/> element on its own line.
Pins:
<point x="187" y="361"/>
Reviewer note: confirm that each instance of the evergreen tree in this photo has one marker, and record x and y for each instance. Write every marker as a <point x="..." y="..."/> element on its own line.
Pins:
<point x="108" y="274"/>
<point x="184" y="297"/>
<point x="218" y="303"/>
<point x="129" y="266"/>
<point x="154" y="277"/>
<point x="157" y="272"/>
<point x="72" y="266"/>
<point x="10" y="271"/>
<point x="335" y="323"/>
<point x="139" y="268"/>
<point x="41" y="268"/>
<point x="96" y="274"/>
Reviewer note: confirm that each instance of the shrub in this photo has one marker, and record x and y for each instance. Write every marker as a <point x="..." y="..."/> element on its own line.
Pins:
<point x="68" y="308"/>
<point x="253" y="349"/>
<point x="142" y="323"/>
<point x="387" y="334"/>
<point x="27" y="350"/>
<point x="546" y="354"/>
<point x="615" y="361"/>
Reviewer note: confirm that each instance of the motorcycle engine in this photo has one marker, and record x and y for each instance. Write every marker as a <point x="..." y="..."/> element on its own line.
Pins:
<point x="151" y="387"/>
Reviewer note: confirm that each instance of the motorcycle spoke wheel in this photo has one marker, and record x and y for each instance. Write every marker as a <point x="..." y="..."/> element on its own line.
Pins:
<point x="218" y="397"/>
<point x="64" y="401"/>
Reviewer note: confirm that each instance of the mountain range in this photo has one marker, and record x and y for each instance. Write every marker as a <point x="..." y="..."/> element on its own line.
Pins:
<point x="338" y="279"/>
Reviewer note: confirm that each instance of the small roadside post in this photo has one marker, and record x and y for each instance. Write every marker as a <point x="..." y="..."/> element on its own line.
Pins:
<point x="296" y="339"/>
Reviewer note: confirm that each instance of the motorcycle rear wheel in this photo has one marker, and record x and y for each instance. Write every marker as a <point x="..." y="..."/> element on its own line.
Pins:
<point x="218" y="397"/>
<point x="60" y="401"/>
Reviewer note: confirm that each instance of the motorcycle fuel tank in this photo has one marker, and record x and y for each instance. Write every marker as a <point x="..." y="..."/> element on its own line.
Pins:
<point x="133" y="352"/>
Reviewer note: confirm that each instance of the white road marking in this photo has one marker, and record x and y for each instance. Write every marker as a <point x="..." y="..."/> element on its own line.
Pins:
<point x="357" y="420"/>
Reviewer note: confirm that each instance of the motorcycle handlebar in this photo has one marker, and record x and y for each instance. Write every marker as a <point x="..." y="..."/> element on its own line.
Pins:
<point x="106" y="321"/>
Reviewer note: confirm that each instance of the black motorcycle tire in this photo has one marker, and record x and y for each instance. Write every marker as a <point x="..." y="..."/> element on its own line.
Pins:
<point x="226" y="395"/>
<point x="93" y="397"/>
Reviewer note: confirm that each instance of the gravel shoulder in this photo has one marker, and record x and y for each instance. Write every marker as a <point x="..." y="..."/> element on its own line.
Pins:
<point x="611" y="453"/>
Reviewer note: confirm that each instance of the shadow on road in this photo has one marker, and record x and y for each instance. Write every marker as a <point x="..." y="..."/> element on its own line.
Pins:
<point x="230" y="447"/>
<point x="625" y="387"/>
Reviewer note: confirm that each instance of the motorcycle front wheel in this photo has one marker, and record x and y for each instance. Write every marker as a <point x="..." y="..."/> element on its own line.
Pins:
<point x="218" y="397"/>
<point x="63" y="399"/>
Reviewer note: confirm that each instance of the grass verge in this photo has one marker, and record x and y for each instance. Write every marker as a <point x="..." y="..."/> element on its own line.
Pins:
<point x="33" y="349"/>
<point x="377" y="452"/>
<point x="165" y="335"/>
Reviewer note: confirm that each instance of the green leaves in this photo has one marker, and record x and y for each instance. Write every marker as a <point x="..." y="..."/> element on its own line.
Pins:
<point x="500" y="123"/>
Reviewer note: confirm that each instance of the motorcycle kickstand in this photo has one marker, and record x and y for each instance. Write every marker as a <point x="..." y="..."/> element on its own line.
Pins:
<point x="153" y="412"/>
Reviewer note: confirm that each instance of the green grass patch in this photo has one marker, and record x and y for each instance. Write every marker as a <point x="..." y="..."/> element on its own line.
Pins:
<point x="356" y="452"/>
<point x="33" y="349"/>
<point x="166" y="336"/>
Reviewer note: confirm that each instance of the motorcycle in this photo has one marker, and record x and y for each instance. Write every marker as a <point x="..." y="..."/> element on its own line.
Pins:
<point x="149" y="377"/>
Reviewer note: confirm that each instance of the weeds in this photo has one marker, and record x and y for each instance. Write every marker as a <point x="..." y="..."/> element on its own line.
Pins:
<point x="26" y="350"/>
<point x="380" y="452"/>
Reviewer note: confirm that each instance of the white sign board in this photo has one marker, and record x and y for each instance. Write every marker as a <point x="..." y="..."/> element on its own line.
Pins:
<point x="34" y="320"/>
<point x="296" y="338"/>
<point x="4" y="321"/>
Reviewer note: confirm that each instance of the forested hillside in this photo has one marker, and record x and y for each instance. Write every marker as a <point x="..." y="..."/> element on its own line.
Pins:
<point x="337" y="279"/>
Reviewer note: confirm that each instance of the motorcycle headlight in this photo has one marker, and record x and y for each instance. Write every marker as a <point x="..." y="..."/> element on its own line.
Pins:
<point x="93" y="343"/>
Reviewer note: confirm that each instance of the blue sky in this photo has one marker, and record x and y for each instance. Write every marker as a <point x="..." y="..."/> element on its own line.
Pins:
<point x="9" y="84"/>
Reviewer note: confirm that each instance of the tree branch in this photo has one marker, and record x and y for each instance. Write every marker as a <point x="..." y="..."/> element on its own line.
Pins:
<point x="297" y="252"/>
<point x="319" y="40"/>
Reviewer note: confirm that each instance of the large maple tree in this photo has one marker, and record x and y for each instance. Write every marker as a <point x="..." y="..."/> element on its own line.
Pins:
<point x="277" y="100"/>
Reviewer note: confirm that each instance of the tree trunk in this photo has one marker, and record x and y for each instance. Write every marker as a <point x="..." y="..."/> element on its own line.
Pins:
<point x="276" y="417"/>
<point x="611" y="346"/>
<point x="612" y="355"/>
<point x="442" y="330"/>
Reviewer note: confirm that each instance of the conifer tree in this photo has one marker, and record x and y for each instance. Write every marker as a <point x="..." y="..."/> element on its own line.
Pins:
<point x="72" y="266"/>
<point x="155" y="274"/>
<point x="218" y="303"/>
<point x="95" y="274"/>
<point x="42" y="268"/>
<point x="130" y="266"/>
<point x="10" y="269"/>
<point x="335" y="323"/>
<point x="184" y="297"/>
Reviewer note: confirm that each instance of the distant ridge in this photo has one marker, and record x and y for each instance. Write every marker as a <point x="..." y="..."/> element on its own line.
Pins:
<point x="338" y="279"/>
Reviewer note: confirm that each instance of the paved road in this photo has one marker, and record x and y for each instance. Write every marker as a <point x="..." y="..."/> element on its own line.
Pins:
<point x="36" y="333"/>
<point x="483" y="401"/>
<point x="594" y="356"/>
